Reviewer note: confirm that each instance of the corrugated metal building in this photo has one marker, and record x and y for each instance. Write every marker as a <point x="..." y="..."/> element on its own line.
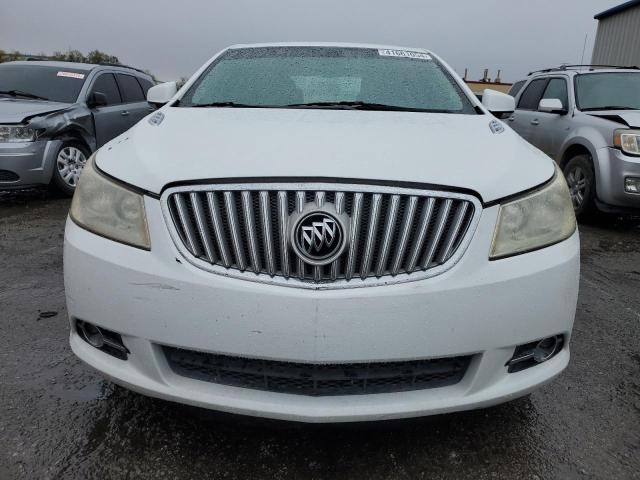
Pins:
<point x="618" y="36"/>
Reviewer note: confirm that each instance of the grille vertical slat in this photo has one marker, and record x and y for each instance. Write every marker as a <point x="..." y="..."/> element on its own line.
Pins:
<point x="374" y="217"/>
<point x="265" y="220"/>
<point x="453" y="232"/>
<point x="218" y="229"/>
<point x="441" y="223"/>
<point x="389" y="232"/>
<point x="187" y="226"/>
<point x="389" y="229"/>
<point x="425" y="221"/>
<point x="250" y="229"/>
<point x="339" y="204"/>
<point x="234" y="226"/>
<point x="283" y="215"/>
<point x="407" y="224"/>
<point x="203" y="231"/>
<point x="354" y="235"/>
<point x="300" y="201"/>
<point x="317" y="270"/>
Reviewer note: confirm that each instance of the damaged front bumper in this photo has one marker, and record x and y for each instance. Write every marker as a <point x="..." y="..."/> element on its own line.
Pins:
<point x="26" y="164"/>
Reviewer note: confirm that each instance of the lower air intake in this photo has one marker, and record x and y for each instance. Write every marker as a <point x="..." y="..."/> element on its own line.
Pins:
<point x="317" y="379"/>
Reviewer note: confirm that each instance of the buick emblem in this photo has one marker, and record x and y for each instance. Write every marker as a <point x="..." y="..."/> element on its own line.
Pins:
<point x="318" y="237"/>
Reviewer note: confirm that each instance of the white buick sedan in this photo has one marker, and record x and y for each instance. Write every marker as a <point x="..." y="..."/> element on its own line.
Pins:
<point x="323" y="233"/>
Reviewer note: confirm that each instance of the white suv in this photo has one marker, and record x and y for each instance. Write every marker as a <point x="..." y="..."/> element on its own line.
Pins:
<point x="323" y="232"/>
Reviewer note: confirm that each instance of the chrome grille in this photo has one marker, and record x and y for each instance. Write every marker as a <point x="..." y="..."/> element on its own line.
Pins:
<point x="394" y="234"/>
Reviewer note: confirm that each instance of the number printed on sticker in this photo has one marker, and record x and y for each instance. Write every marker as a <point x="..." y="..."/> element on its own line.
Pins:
<point x="388" y="52"/>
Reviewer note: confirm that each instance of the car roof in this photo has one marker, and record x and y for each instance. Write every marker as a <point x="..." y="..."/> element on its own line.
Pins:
<point x="75" y="65"/>
<point x="329" y="45"/>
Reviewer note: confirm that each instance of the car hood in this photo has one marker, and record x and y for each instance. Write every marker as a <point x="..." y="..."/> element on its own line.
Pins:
<point x="222" y="143"/>
<point x="629" y="117"/>
<point x="17" y="110"/>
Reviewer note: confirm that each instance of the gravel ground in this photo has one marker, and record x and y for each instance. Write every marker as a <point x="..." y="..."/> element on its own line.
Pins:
<point x="59" y="419"/>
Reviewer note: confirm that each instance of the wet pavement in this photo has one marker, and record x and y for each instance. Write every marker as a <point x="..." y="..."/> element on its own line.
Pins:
<point x="59" y="419"/>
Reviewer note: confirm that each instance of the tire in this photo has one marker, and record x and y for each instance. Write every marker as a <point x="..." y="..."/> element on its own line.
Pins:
<point x="68" y="164"/>
<point x="581" y="180"/>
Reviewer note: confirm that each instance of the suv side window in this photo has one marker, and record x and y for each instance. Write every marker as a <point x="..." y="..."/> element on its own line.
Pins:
<point x="106" y="84"/>
<point x="532" y="94"/>
<point x="516" y="87"/>
<point x="130" y="88"/>
<point x="557" y="88"/>
<point x="145" y="84"/>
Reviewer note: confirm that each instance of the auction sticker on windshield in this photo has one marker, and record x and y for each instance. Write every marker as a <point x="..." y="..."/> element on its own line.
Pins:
<point x="387" y="52"/>
<point x="79" y="76"/>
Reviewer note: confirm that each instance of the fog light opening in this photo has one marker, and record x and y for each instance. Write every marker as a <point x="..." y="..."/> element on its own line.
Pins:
<point x="535" y="353"/>
<point x="545" y="349"/>
<point x="104" y="340"/>
<point x="632" y="185"/>
<point x="92" y="334"/>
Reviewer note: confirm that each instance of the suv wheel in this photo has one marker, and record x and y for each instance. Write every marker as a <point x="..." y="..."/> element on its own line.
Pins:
<point x="70" y="160"/>
<point x="582" y="185"/>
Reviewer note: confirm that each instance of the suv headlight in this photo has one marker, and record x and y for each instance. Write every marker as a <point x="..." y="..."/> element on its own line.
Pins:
<point x="15" y="133"/>
<point x="110" y="209"/>
<point x="534" y="221"/>
<point x="627" y="140"/>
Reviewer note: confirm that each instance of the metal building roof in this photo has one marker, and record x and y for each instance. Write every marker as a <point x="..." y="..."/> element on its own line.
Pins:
<point x="617" y="9"/>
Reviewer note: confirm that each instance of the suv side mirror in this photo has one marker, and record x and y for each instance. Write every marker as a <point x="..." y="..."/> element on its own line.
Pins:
<point x="97" y="99"/>
<point x="498" y="103"/>
<point x="162" y="93"/>
<point x="551" y="105"/>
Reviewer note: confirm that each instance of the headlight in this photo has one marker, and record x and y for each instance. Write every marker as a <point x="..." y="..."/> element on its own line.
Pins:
<point x="11" y="133"/>
<point x="534" y="221"/>
<point x="109" y="209"/>
<point x="627" y="140"/>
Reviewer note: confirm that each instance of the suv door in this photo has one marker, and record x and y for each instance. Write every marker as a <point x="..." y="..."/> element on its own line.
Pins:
<point x="525" y="119"/>
<point x="135" y="106"/>
<point x="108" y="119"/>
<point x="553" y="126"/>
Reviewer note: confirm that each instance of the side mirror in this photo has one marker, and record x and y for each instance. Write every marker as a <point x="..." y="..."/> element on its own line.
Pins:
<point x="551" y="105"/>
<point x="162" y="93"/>
<point x="97" y="99"/>
<point x="498" y="103"/>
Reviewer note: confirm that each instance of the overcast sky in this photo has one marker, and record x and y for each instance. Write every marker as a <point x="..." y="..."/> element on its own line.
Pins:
<point x="173" y="38"/>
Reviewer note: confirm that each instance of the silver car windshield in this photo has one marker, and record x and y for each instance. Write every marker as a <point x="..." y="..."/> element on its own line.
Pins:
<point x="38" y="82"/>
<point x="608" y="91"/>
<point x="327" y="77"/>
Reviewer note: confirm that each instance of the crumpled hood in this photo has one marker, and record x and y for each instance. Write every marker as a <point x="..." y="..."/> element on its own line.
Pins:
<point x="17" y="110"/>
<point x="630" y="117"/>
<point x="205" y="144"/>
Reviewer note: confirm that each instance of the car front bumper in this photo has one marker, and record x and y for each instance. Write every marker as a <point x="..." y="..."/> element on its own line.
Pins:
<point x="28" y="163"/>
<point x="613" y="167"/>
<point x="478" y="308"/>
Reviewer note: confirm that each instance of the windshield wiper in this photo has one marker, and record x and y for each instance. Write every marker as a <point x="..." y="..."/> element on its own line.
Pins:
<point x="225" y="104"/>
<point x="608" y="107"/>
<point x="359" y="105"/>
<point x="20" y="93"/>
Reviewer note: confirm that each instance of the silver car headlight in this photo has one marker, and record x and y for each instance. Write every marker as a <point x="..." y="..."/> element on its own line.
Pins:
<point x="110" y="209"/>
<point x="16" y="133"/>
<point x="627" y="140"/>
<point x="535" y="220"/>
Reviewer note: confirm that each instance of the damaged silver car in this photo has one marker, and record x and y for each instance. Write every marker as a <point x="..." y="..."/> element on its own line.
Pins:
<point x="53" y="115"/>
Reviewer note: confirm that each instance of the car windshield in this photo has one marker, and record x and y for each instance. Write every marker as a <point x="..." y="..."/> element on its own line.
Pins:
<point x="327" y="77"/>
<point x="39" y="82"/>
<point x="608" y="91"/>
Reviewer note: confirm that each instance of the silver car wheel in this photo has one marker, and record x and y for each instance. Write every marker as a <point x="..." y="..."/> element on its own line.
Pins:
<point x="577" y="182"/>
<point x="70" y="162"/>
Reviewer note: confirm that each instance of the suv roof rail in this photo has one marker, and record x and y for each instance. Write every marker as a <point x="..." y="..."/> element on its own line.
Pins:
<point x="101" y="64"/>
<point x="107" y="64"/>
<point x="574" y="66"/>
